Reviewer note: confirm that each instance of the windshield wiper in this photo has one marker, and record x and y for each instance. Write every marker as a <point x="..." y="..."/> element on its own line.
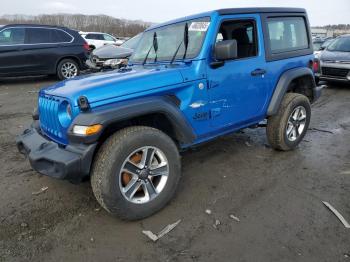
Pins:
<point x="154" y="46"/>
<point x="184" y="41"/>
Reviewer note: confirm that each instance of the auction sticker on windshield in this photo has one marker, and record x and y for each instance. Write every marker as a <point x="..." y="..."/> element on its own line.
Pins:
<point x="199" y="26"/>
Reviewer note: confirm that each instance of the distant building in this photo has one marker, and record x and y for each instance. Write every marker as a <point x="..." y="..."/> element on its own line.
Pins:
<point x="338" y="32"/>
<point x="322" y="32"/>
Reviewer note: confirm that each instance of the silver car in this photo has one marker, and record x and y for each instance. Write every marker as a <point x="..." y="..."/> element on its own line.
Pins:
<point x="334" y="62"/>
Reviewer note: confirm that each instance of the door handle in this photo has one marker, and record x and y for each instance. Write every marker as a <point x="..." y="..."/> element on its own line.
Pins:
<point x="258" y="72"/>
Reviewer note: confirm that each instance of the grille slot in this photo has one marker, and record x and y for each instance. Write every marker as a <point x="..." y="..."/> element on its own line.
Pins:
<point x="48" y="115"/>
<point x="331" y="71"/>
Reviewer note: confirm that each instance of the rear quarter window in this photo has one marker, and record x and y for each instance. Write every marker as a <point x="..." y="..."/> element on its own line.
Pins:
<point x="59" y="36"/>
<point x="287" y="34"/>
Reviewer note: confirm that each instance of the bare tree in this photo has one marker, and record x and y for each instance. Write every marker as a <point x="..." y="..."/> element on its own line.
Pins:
<point x="99" y="23"/>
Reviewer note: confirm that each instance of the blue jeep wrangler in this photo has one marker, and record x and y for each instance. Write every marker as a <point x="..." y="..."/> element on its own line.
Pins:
<point x="189" y="81"/>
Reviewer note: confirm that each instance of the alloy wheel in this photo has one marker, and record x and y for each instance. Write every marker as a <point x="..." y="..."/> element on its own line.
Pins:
<point x="69" y="70"/>
<point x="143" y="175"/>
<point x="296" y="123"/>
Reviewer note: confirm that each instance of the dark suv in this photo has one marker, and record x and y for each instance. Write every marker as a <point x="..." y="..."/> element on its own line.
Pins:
<point x="41" y="50"/>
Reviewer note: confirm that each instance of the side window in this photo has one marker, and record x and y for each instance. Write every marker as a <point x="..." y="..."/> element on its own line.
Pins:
<point x="99" y="37"/>
<point x="38" y="36"/>
<point x="287" y="34"/>
<point x="12" y="36"/>
<point x="91" y="36"/>
<point x="108" y="38"/>
<point x="59" y="36"/>
<point x="244" y="32"/>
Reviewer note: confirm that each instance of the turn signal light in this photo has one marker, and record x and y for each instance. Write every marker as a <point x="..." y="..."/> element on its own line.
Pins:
<point x="87" y="130"/>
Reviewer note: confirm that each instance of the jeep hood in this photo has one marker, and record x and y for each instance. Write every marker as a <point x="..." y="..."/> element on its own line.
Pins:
<point x="113" y="84"/>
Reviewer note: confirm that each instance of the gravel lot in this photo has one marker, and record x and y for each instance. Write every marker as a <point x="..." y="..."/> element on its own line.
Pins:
<point x="277" y="197"/>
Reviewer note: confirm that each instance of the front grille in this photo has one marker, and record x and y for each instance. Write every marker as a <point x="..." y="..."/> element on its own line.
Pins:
<point x="331" y="71"/>
<point x="48" y="115"/>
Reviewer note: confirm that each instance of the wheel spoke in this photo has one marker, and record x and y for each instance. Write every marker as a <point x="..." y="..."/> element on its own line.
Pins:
<point x="294" y="133"/>
<point x="297" y="132"/>
<point x="302" y="117"/>
<point x="289" y="128"/>
<point x="160" y="170"/>
<point x="132" y="187"/>
<point x="149" y="188"/>
<point x="296" y="114"/>
<point x="291" y="134"/>
<point x="147" y="157"/>
<point x="131" y="168"/>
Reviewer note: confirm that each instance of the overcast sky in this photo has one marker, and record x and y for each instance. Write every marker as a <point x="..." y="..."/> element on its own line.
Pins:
<point x="320" y="12"/>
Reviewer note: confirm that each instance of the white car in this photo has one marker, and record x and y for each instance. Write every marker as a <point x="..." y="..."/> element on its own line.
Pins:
<point x="97" y="39"/>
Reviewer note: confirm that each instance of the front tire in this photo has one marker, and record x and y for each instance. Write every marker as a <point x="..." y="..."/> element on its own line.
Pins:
<point x="287" y="129"/>
<point x="136" y="172"/>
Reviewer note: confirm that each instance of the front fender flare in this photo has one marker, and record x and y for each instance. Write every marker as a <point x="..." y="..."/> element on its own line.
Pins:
<point x="114" y="113"/>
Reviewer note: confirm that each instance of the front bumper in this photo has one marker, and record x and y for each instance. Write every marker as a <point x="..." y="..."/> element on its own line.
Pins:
<point x="333" y="79"/>
<point x="71" y="162"/>
<point x="334" y="71"/>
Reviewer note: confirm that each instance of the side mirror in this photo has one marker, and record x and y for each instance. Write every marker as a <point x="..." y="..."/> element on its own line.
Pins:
<point x="226" y="50"/>
<point x="322" y="48"/>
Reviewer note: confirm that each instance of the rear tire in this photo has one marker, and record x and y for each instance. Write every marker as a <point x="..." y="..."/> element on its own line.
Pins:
<point x="67" y="69"/>
<point x="288" y="127"/>
<point x="136" y="195"/>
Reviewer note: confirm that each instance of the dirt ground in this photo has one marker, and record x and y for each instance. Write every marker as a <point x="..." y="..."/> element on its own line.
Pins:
<point x="277" y="197"/>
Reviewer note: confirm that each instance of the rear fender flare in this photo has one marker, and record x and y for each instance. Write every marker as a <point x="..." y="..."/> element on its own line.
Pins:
<point x="283" y="84"/>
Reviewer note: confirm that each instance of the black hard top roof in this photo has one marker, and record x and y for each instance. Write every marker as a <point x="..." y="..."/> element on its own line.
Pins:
<point x="260" y="10"/>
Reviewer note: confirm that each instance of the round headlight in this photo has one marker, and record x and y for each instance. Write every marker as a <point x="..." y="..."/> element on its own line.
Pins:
<point x="65" y="114"/>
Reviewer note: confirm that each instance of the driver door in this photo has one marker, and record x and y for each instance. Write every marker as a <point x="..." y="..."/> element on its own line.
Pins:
<point x="238" y="90"/>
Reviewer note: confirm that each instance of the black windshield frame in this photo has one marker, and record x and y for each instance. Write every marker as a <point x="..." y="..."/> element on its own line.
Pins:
<point x="167" y="46"/>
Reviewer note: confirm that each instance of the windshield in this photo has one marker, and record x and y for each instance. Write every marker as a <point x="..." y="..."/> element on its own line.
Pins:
<point x="317" y="46"/>
<point x="132" y="42"/>
<point x="341" y="44"/>
<point x="327" y="43"/>
<point x="169" y="38"/>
